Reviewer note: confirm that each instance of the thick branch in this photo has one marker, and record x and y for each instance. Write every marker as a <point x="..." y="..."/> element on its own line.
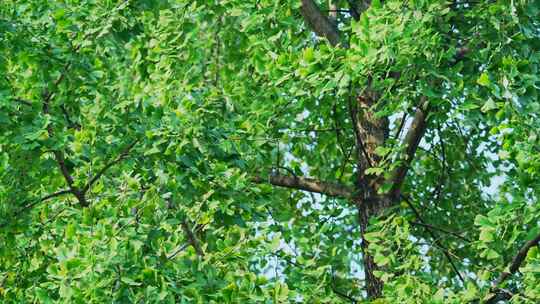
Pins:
<point x="461" y="53"/>
<point x="354" y="10"/>
<point x="306" y="184"/>
<point x="356" y="7"/>
<point x="416" y="131"/>
<point x="512" y="268"/>
<point x="411" y="141"/>
<point x="318" y="22"/>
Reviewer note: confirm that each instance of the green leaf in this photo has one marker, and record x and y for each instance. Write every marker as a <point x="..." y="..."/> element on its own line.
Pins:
<point x="130" y="281"/>
<point x="489" y="105"/>
<point x="486" y="235"/>
<point x="43" y="296"/>
<point x="483" y="80"/>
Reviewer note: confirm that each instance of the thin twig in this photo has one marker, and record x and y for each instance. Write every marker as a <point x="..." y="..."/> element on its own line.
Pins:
<point x="401" y="124"/>
<point x="184" y="246"/>
<point x="342" y="171"/>
<point x="441" y="230"/>
<point x="436" y="240"/>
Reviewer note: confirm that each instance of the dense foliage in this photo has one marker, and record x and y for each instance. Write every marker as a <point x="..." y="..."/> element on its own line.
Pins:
<point x="233" y="151"/>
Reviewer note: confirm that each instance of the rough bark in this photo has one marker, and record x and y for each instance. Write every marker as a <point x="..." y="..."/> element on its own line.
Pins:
<point x="412" y="140"/>
<point x="371" y="132"/>
<point x="368" y="208"/>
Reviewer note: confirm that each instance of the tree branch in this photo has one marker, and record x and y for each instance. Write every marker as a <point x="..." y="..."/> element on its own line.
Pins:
<point x="23" y="101"/>
<point x="306" y="184"/>
<point x="343" y="295"/>
<point x="354" y="10"/>
<point x="59" y="155"/>
<point x="70" y="122"/>
<point x="32" y="204"/>
<point x="441" y="230"/>
<point x="436" y="240"/>
<point x="46" y="197"/>
<point x="411" y="141"/>
<point x="319" y="23"/>
<point x="512" y="268"/>
<point x="356" y="7"/>
<point x="192" y="239"/>
<point x="96" y="177"/>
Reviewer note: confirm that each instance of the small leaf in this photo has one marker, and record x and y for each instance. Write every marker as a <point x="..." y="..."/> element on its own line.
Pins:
<point x="489" y="105"/>
<point x="491" y="254"/>
<point x="154" y="150"/>
<point x="374" y="170"/>
<point x="384" y="188"/>
<point x="381" y="260"/>
<point x="276" y="242"/>
<point x="130" y="281"/>
<point x="481" y="220"/>
<point x="309" y="55"/>
<point x="372" y="236"/>
<point x="486" y="235"/>
<point x="483" y="80"/>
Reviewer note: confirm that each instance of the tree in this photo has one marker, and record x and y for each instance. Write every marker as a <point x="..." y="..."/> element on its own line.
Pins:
<point x="269" y="151"/>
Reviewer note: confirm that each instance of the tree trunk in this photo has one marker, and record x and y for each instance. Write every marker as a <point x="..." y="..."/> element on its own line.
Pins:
<point x="373" y="284"/>
<point x="371" y="132"/>
<point x="367" y="209"/>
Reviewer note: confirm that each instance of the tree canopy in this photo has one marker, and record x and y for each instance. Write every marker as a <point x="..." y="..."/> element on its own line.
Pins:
<point x="233" y="151"/>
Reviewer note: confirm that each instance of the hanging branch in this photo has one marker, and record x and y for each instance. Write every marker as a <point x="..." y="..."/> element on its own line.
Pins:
<point x="441" y="230"/>
<point x="401" y="125"/>
<point x="58" y="154"/>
